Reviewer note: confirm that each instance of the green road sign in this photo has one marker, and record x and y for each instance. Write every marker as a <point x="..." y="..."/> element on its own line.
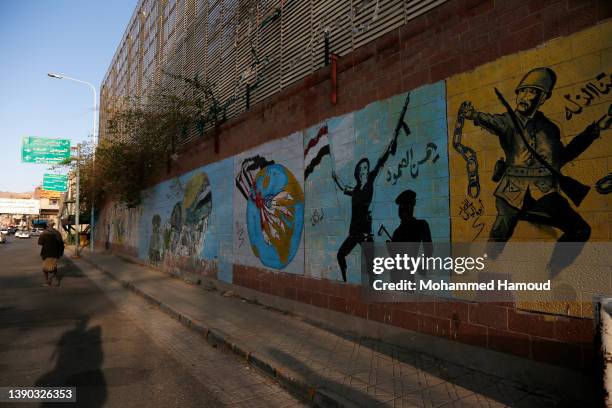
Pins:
<point x="44" y="150"/>
<point x="55" y="182"/>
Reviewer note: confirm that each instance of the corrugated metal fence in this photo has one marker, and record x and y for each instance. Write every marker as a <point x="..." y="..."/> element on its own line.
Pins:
<point x="262" y="45"/>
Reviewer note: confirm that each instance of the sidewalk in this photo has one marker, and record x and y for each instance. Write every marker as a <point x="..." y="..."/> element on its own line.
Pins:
<point x="326" y="368"/>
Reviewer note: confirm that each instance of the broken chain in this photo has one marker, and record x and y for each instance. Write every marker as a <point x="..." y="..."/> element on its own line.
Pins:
<point x="468" y="154"/>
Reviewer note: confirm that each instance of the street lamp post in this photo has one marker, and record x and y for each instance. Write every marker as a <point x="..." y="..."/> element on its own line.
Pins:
<point x="95" y="143"/>
<point x="77" y="205"/>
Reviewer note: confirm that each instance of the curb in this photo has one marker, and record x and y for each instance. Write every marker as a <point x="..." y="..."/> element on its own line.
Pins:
<point x="215" y="337"/>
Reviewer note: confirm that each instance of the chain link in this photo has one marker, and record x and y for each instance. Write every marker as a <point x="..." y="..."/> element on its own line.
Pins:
<point x="468" y="154"/>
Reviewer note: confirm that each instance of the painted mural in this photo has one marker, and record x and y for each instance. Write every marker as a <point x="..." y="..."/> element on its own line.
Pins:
<point x="539" y="121"/>
<point x="531" y="186"/>
<point x="364" y="172"/>
<point x="180" y="225"/>
<point x="118" y="225"/>
<point x="527" y="158"/>
<point x="183" y="233"/>
<point x="532" y="152"/>
<point x="269" y="205"/>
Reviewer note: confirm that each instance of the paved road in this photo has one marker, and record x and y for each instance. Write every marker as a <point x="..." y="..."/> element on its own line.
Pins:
<point x="114" y="347"/>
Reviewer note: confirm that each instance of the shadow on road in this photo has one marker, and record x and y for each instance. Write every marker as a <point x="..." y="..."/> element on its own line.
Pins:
<point x="67" y="269"/>
<point x="78" y="360"/>
<point x="326" y="387"/>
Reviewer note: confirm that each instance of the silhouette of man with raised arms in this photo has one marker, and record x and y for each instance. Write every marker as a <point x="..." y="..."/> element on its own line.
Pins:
<point x="361" y="194"/>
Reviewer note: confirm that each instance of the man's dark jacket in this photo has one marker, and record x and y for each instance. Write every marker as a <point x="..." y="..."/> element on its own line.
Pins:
<point x="52" y="244"/>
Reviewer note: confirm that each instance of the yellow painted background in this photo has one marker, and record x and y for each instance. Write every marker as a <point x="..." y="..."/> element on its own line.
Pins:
<point x="576" y="59"/>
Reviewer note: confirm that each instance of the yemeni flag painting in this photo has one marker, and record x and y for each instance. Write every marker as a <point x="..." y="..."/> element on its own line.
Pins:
<point x="315" y="151"/>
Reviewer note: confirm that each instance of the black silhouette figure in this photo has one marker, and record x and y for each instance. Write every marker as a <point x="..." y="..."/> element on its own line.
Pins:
<point x="411" y="232"/>
<point x="361" y="194"/>
<point x="410" y="228"/>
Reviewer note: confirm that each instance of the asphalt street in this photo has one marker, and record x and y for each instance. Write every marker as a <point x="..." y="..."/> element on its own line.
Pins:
<point x="115" y="348"/>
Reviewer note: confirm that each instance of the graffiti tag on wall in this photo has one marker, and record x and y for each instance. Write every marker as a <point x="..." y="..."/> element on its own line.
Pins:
<point x="409" y="161"/>
<point x="317" y="216"/>
<point x="468" y="210"/>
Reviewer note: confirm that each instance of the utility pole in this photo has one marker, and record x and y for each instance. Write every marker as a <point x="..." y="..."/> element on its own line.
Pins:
<point x="94" y="140"/>
<point x="77" y="205"/>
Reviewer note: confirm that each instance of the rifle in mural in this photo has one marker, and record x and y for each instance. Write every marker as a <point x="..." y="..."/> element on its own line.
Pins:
<point x="401" y="125"/>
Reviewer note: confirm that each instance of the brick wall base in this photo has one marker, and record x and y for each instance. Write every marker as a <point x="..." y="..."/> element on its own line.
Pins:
<point x="557" y="340"/>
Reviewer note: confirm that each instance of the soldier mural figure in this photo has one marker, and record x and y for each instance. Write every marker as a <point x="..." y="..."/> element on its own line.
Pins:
<point x="361" y="194"/>
<point x="530" y="180"/>
<point x="411" y="229"/>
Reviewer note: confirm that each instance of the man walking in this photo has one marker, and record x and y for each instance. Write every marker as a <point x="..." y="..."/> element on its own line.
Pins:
<point x="52" y="250"/>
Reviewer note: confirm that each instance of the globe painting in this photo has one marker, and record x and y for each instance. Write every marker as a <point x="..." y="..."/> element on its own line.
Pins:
<point x="275" y="216"/>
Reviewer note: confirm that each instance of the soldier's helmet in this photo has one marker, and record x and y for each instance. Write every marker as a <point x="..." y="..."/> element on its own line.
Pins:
<point x="543" y="79"/>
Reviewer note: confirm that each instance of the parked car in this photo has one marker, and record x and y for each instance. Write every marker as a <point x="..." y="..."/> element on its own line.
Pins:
<point x="22" y="234"/>
<point x="35" y="232"/>
<point x="4" y="231"/>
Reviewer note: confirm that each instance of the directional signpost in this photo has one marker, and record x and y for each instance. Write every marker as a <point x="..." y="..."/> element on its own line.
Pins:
<point x="55" y="182"/>
<point x="44" y="150"/>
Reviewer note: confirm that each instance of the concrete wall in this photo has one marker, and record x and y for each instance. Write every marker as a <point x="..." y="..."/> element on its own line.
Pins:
<point x="280" y="232"/>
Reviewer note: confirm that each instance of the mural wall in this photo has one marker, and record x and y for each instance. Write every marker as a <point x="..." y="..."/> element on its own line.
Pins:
<point x="367" y="173"/>
<point x="186" y="222"/>
<point x="522" y="121"/>
<point x="357" y="165"/>
<point x="119" y="226"/>
<point x="531" y="153"/>
<point x="491" y="142"/>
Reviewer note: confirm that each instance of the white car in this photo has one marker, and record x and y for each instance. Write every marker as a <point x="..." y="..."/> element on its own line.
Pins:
<point x="22" y="234"/>
<point x="4" y="231"/>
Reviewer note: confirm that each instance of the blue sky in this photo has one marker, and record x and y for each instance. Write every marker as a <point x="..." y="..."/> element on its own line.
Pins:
<point x="76" y="38"/>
